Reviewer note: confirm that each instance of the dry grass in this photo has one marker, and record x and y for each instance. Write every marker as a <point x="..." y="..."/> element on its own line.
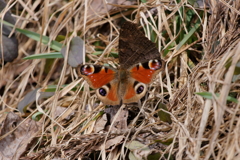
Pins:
<point x="201" y="128"/>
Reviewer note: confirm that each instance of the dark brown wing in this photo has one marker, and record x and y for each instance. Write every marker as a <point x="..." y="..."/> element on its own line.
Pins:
<point x="134" y="47"/>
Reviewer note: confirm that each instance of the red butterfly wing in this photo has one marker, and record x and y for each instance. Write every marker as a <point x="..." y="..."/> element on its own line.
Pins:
<point x="97" y="76"/>
<point x="145" y="72"/>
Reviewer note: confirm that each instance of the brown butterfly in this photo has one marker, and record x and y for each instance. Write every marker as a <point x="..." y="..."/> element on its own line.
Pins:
<point x="139" y="61"/>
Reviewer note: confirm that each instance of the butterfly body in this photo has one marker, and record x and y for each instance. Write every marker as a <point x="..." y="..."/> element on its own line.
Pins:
<point x="139" y="63"/>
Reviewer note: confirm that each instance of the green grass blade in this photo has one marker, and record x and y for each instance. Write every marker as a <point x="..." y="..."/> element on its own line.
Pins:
<point x="52" y="55"/>
<point x="209" y="95"/>
<point x="44" y="39"/>
<point x="186" y="37"/>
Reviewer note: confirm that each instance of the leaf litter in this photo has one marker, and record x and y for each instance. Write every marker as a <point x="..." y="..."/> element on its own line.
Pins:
<point x="72" y="124"/>
<point x="16" y="135"/>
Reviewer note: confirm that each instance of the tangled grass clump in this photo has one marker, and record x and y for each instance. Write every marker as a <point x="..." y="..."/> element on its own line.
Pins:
<point x="192" y="109"/>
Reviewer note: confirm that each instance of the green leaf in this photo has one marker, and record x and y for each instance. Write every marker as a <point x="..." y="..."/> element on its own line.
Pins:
<point x="229" y="98"/>
<point x="209" y="95"/>
<point x="131" y="156"/>
<point x="60" y="38"/>
<point x="165" y="117"/>
<point x="37" y="116"/>
<point x="186" y="37"/>
<point x="48" y="65"/>
<point x="154" y="156"/>
<point x="138" y="148"/>
<point x="135" y="145"/>
<point x="44" y="39"/>
<point x="51" y="55"/>
<point x="166" y="142"/>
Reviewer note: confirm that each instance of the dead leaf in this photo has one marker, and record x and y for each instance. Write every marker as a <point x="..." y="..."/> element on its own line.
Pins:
<point x="65" y="113"/>
<point x="11" y="71"/>
<point x="112" y="143"/>
<point x="119" y="122"/>
<point x="101" y="123"/>
<point x="16" y="136"/>
<point x="138" y="150"/>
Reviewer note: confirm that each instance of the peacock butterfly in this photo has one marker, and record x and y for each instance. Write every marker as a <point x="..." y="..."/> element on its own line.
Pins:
<point x="139" y="61"/>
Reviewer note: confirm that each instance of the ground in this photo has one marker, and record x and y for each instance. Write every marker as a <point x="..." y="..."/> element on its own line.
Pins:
<point x="191" y="110"/>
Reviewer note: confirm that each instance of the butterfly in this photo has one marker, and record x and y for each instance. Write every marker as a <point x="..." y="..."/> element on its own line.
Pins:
<point x="139" y="61"/>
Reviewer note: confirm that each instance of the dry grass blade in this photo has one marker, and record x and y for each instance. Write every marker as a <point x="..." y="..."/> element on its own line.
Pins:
<point x="201" y="48"/>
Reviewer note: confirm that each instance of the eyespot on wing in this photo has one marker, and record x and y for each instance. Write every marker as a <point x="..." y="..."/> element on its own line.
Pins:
<point x="145" y="72"/>
<point x="96" y="75"/>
